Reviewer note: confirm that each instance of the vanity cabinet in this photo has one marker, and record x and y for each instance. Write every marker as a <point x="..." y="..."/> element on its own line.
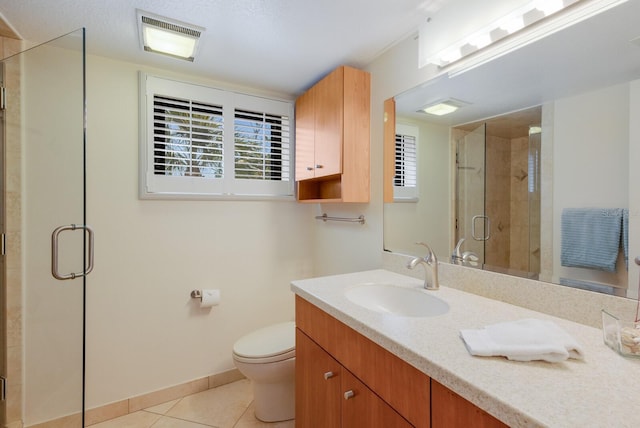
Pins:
<point x="328" y="395"/>
<point x="448" y="409"/>
<point x="388" y="392"/>
<point x="332" y="359"/>
<point x="333" y="138"/>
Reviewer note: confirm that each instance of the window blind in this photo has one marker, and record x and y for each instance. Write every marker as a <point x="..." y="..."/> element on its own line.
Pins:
<point x="187" y="138"/>
<point x="406" y="161"/>
<point x="261" y="146"/>
<point x="206" y="143"/>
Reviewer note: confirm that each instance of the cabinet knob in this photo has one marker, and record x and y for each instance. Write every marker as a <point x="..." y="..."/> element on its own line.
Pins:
<point x="319" y="166"/>
<point x="328" y="375"/>
<point x="309" y="168"/>
<point x="349" y="394"/>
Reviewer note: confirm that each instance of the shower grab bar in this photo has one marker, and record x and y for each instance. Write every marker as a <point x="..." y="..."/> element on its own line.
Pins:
<point x="488" y="228"/>
<point x="54" y="251"/>
<point x="325" y="218"/>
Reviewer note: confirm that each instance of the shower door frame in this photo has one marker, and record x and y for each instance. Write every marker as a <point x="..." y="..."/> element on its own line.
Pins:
<point x="471" y="243"/>
<point x="3" y="276"/>
<point x="28" y="132"/>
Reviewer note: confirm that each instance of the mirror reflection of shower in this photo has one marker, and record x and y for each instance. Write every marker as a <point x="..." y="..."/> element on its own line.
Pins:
<point x="497" y="202"/>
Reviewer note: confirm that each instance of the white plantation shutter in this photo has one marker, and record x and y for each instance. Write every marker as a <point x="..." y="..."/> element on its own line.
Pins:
<point x="187" y="138"/>
<point x="261" y="146"/>
<point x="201" y="142"/>
<point x="405" y="179"/>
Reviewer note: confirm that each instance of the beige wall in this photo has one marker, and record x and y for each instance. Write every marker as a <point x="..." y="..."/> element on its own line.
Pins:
<point x="427" y="219"/>
<point x="143" y="330"/>
<point x="591" y="133"/>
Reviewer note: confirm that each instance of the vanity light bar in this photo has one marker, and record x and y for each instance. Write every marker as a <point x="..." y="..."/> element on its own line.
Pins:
<point x="548" y="15"/>
<point x="511" y="23"/>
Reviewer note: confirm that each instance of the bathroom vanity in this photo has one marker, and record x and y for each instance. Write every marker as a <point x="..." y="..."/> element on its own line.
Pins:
<point x="398" y="371"/>
<point x="345" y="379"/>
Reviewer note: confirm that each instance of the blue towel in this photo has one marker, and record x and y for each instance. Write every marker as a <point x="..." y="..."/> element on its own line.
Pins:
<point x="588" y="285"/>
<point x="590" y="237"/>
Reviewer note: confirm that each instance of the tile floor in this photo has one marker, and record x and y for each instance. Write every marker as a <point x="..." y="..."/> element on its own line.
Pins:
<point x="227" y="406"/>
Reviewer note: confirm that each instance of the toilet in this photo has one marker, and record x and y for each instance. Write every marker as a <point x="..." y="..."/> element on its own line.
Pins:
<point x="267" y="358"/>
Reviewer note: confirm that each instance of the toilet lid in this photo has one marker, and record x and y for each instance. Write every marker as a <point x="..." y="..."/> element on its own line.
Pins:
<point x="267" y="342"/>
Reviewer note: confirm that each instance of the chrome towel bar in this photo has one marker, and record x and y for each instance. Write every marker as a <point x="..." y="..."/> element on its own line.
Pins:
<point x="325" y="217"/>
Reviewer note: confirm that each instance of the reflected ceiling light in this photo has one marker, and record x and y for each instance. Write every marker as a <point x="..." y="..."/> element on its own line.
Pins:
<point x="440" y="108"/>
<point x="168" y="37"/>
<point x="548" y="15"/>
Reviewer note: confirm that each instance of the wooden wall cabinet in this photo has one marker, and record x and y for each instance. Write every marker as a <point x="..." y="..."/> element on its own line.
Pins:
<point x="332" y="359"/>
<point x="333" y="138"/>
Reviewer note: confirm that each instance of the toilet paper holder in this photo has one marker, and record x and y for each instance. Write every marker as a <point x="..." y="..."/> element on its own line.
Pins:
<point x="196" y="294"/>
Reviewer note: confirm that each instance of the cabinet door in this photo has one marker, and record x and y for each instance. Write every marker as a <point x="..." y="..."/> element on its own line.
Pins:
<point x="362" y="408"/>
<point x="305" y="136"/>
<point x="449" y="410"/>
<point x="329" y="124"/>
<point x="318" y="397"/>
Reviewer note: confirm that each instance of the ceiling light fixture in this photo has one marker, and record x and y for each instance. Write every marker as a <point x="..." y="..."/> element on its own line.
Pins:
<point x="440" y="108"/>
<point x="514" y="30"/>
<point x="168" y="37"/>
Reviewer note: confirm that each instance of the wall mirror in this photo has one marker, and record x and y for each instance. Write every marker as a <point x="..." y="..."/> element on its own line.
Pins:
<point x="541" y="132"/>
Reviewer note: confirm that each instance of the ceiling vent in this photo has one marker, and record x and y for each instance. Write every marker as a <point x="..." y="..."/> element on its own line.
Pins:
<point x="168" y="37"/>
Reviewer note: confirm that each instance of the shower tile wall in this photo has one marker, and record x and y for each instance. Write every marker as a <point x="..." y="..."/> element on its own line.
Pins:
<point x="498" y="206"/>
<point x="507" y="202"/>
<point x="519" y="204"/>
<point x="13" y="278"/>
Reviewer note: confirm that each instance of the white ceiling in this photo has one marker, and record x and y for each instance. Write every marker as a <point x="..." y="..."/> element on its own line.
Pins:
<point x="278" y="45"/>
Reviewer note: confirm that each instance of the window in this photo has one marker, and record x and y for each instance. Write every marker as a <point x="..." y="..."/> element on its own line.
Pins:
<point x="405" y="180"/>
<point x="200" y="142"/>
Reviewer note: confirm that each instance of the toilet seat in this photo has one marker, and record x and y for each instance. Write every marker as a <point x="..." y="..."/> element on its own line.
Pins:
<point x="267" y="345"/>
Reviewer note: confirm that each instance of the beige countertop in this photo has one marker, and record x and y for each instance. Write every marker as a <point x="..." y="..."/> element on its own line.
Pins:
<point x="603" y="390"/>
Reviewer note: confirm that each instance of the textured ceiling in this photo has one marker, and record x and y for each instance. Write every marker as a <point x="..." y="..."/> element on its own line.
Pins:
<point x="279" y="45"/>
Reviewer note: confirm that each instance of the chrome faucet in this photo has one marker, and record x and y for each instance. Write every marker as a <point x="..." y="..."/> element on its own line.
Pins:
<point x="466" y="258"/>
<point x="430" y="262"/>
<point x="456" y="255"/>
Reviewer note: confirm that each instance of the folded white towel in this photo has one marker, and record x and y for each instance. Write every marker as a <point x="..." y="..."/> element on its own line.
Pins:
<point x="522" y="340"/>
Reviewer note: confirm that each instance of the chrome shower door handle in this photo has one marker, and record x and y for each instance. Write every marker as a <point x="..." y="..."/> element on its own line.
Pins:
<point x="487" y="223"/>
<point x="54" y="251"/>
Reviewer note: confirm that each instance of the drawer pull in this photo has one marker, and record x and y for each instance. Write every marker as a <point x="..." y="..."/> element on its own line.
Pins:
<point x="349" y="394"/>
<point x="319" y="166"/>
<point x="328" y="375"/>
<point x="309" y="168"/>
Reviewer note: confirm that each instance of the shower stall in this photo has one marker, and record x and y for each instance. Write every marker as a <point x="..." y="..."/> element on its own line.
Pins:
<point x="498" y="193"/>
<point x="48" y="250"/>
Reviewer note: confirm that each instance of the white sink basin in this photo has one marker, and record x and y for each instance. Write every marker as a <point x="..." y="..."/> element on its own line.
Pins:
<point x="396" y="300"/>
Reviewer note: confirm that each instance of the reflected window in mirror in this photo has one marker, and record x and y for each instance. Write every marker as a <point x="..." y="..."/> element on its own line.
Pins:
<point x="405" y="178"/>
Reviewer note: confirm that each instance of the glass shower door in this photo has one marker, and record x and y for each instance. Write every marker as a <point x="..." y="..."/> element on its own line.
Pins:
<point x="45" y="121"/>
<point x="472" y="223"/>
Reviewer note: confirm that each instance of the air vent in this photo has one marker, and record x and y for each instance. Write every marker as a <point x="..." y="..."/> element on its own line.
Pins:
<point x="167" y="36"/>
<point x="171" y="27"/>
